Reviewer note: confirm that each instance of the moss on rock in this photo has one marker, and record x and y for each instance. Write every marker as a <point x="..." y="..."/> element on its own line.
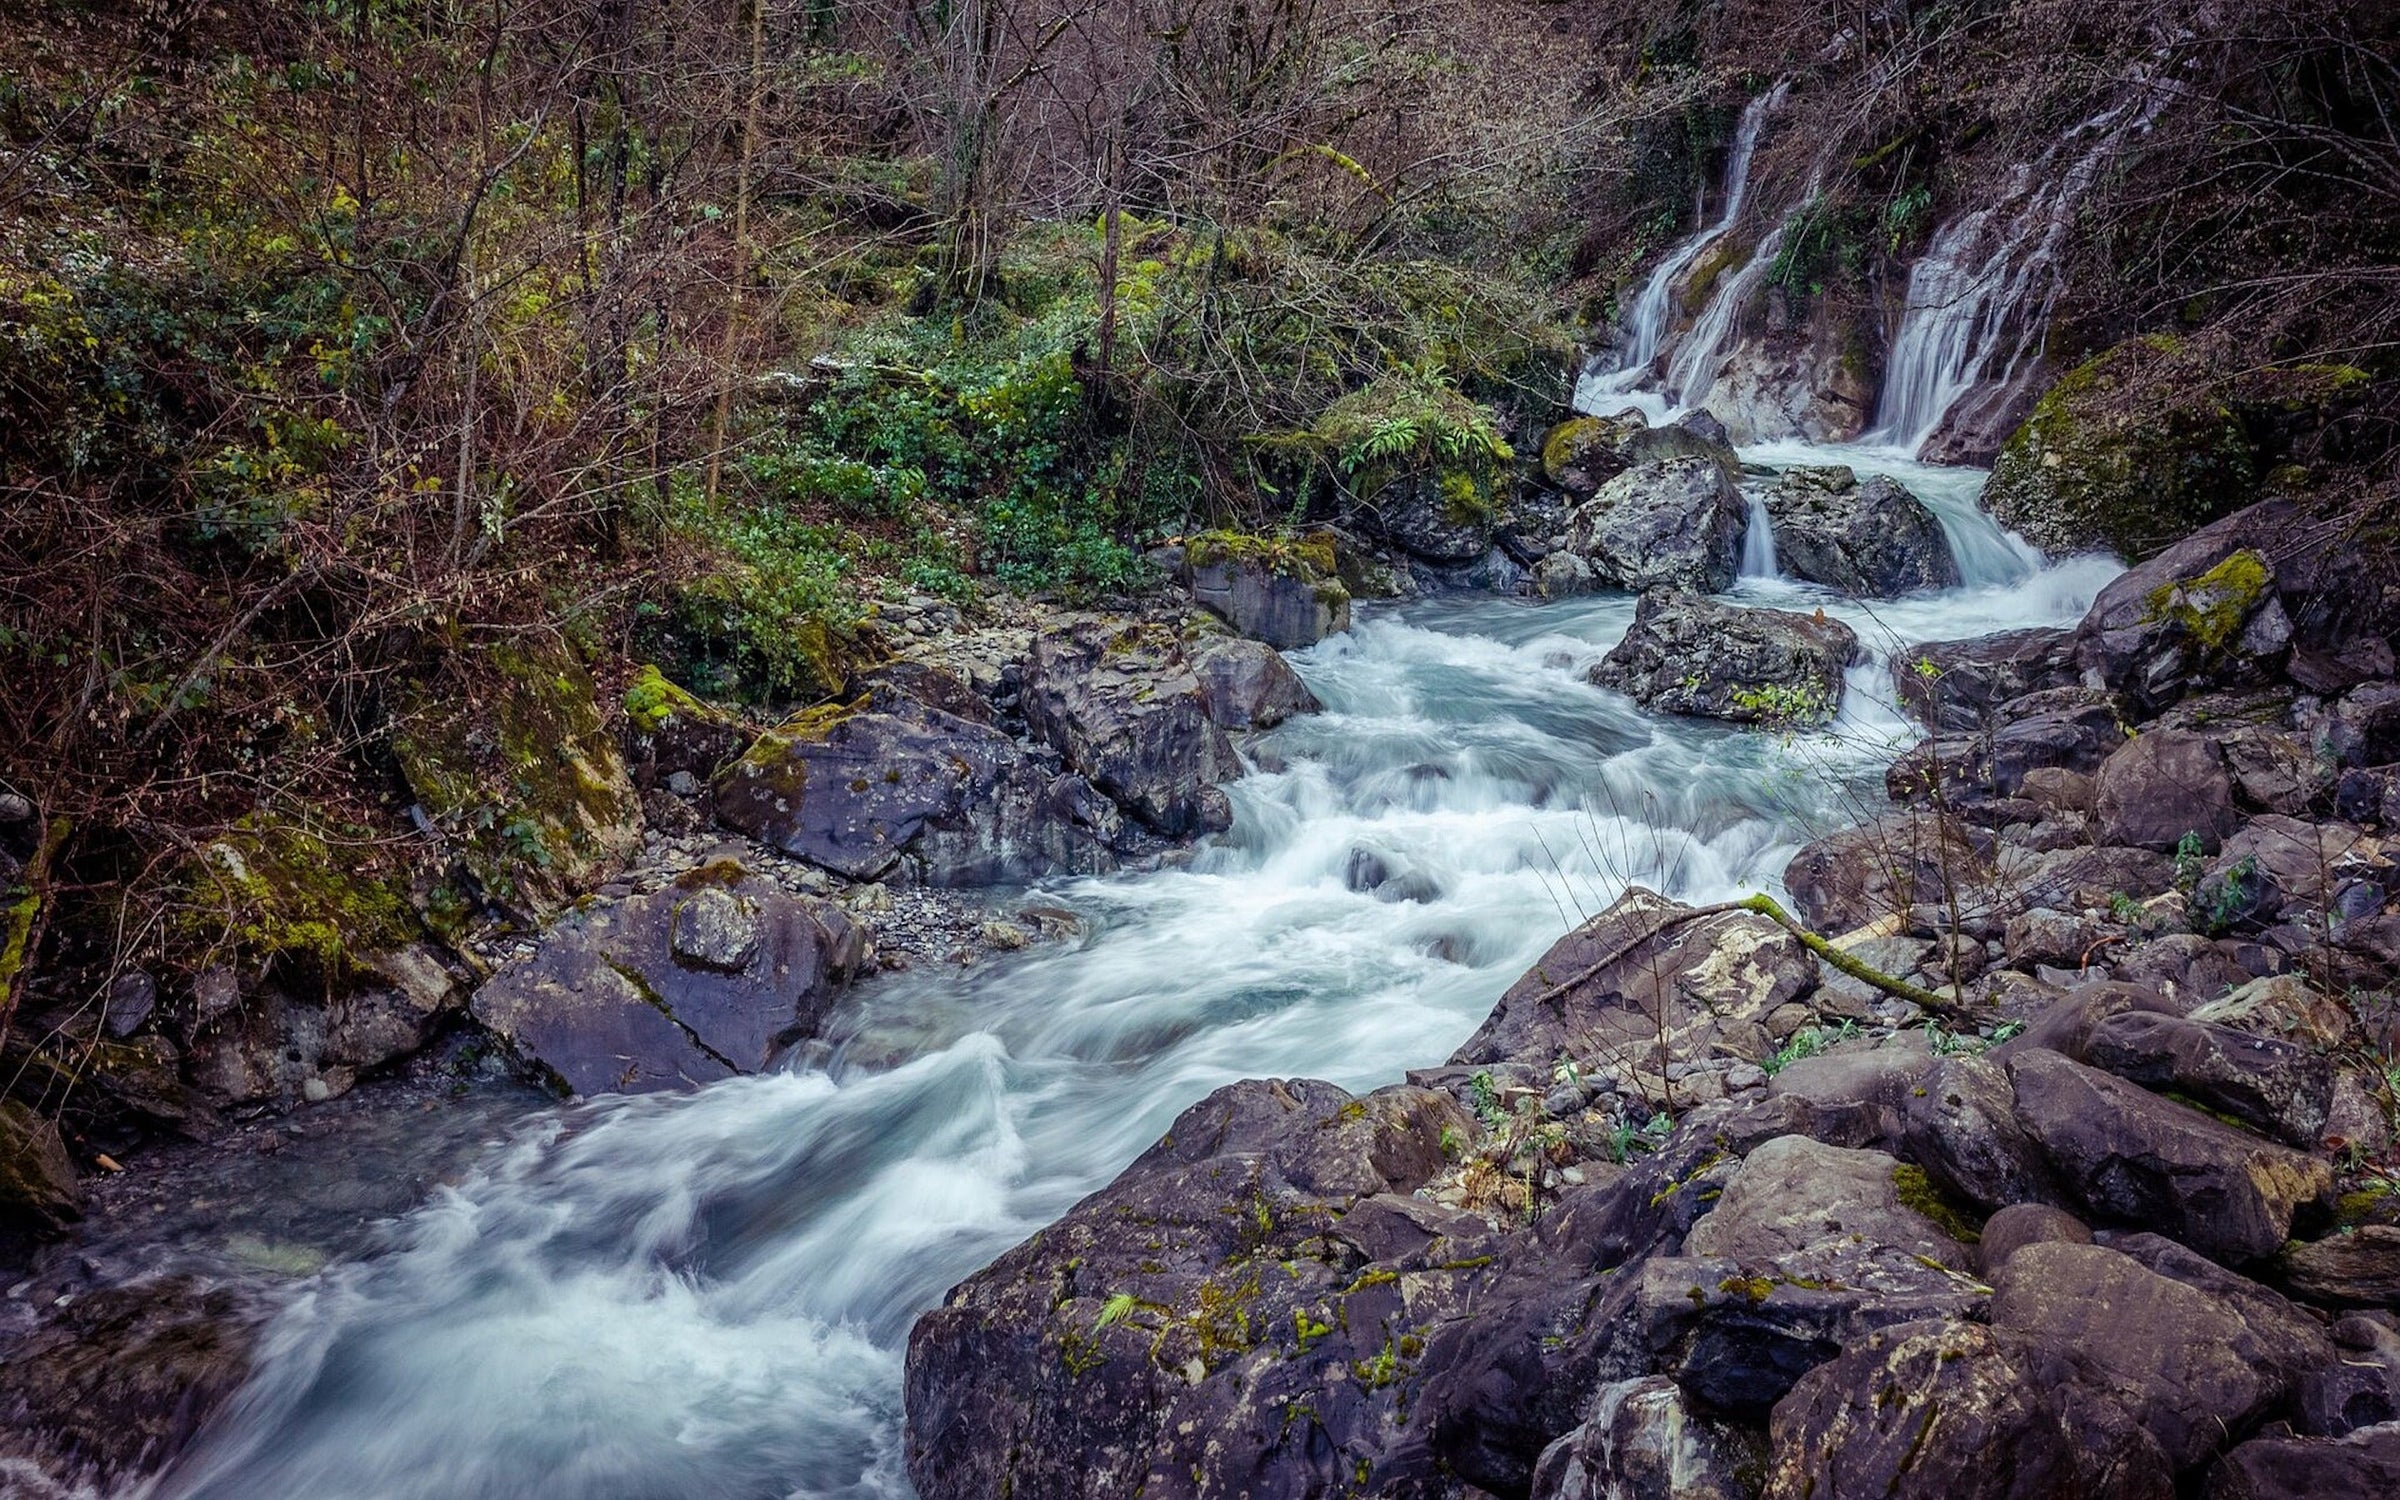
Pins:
<point x="2213" y="608"/>
<point x="517" y="766"/>
<point x="275" y="887"/>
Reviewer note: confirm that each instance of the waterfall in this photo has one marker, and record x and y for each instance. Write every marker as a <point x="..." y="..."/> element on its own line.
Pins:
<point x="1758" y="541"/>
<point x="1980" y="298"/>
<point x="1652" y="309"/>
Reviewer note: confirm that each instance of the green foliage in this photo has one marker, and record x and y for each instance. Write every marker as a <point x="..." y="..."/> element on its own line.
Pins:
<point x="1808" y="1041"/>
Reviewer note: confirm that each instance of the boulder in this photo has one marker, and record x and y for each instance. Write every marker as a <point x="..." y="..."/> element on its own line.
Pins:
<point x="2130" y="1157"/>
<point x="2071" y="729"/>
<point x="1561" y="575"/>
<point x="2279" y="867"/>
<point x="1120" y="701"/>
<point x="1642" y="986"/>
<point x="2236" y="604"/>
<point x="1694" y="656"/>
<point x="39" y="1194"/>
<point x="517" y="770"/>
<point x="1643" y="1441"/>
<point x="2360" y="1266"/>
<point x="2362" y="1466"/>
<point x="1583" y="453"/>
<point x="1246" y="684"/>
<point x="714" y="976"/>
<point x="2274" y="1086"/>
<point x="1675" y="523"/>
<point x="853" y="790"/>
<point x="2361" y="1388"/>
<point x="2022" y="1224"/>
<point x="1868" y="538"/>
<point x="1444" y="518"/>
<point x="2161" y="786"/>
<point x="1955" y="687"/>
<point x="1959" y="1125"/>
<point x="1286" y="592"/>
<point x="283" y="1046"/>
<point x="1846" y="880"/>
<point x="2184" y="1364"/>
<point x="1960" y="1411"/>
<point x="668" y="730"/>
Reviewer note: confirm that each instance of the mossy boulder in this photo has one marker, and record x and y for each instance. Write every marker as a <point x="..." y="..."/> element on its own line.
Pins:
<point x="1283" y="590"/>
<point x="511" y="759"/>
<point x="2141" y="445"/>
<point x="38" y="1192"/>
<point x="278" y="888"/>
<point x="668" y="730"/>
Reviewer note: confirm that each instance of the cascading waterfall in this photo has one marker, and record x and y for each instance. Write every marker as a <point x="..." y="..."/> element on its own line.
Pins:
<point x="1652" y="309"/>
<point x="1758" y="540"/>
<point x="1980" y="297"/>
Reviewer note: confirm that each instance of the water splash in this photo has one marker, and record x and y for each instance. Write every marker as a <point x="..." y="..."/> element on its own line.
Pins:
<point x="1758" y="540"/>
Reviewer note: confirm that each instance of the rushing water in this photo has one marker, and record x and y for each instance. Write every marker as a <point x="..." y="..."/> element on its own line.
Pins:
<point x="709" y="1295"/>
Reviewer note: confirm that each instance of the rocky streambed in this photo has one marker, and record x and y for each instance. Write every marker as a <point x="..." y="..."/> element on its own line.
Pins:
<point x="1687" y="1194"/>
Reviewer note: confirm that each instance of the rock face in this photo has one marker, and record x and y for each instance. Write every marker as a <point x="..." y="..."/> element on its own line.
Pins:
<point x="519" y="772"/>
<point x="1694" y="656"/>
<point x="284" y="1046"/>
<point x="1673" y="523"/>
<point x="855" y="789"/>
<point x="1643" y="1441"/>
<point x="2069" y="729"/>
<point x="2362" y="1466"/>
<point x="1437" y="518"/>
<point x="38" y="1191"/>
<point x="1119" y="701"/>
<point x="2272" y="1085"/>
<point x="1288" y="594"/>
<point x="668" y="730"/>
<point x="1868" y="538"/>
<point x="709" y="978"/>
<point x="2360" y="1266"/>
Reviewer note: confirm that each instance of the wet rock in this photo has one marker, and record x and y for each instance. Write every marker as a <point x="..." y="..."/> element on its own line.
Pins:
<point x="1676" y="523"/>
<point x="1285" y="592"/>
<point x="282" y="1047"/>
<point x="1562" y="575"/>
<point x="2357" y="1266"/>
<point x="2072" y="729"/>
<point x="2273" y="1085"/>
<point x="853" y="791"/>
<point x="2160" y="786"/>
<point x="2130" y="1157"/>
<point x="1868" y="538"/>
<point x="1122" y="704"/>
<point x="1642" y="985"/>
<point x="1694" y="656"/>
<point x="120" y="1380"/>
<point x="1247" y="684"/>
<point x="1643" y="1441"/>
<point x="713" y="976"/>
<point x="132" y="997"/>
<point x="1958" y="686"/>
<point x="2362" y="1466"/>
<point x="2186" y="1365"/>
<point x="39" y="1194"/>
<point x="1445" y="519"/>
<point x="1961" y="1411"/>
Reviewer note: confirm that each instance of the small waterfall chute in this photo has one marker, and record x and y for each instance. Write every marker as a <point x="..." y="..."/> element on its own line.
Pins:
<point x="1758" y="540"/>
<point x="1981" y="296"/>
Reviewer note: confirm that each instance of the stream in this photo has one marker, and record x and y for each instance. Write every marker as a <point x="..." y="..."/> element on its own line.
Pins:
<point x="709" y="1295"/>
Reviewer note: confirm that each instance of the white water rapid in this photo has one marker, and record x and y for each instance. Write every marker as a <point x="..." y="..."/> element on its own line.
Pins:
<point x="707" y="1297"/>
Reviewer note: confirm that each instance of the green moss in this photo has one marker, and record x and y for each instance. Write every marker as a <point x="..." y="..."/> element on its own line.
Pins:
<point x="651" y="702"/>
<point x="1919" y="1196"/>
<point x="1566" y="444"/>
<point x="1754" y="1288"/>
<point x="1308" y="555"/>
<point x="511" y="758"/>
<point x="276" y="888"/>
<point x="2213" y="608"/>
<point x="2369" y="1205"/>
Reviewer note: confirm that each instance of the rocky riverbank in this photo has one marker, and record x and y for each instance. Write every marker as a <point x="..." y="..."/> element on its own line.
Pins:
<point x="2088" y="1188"/>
